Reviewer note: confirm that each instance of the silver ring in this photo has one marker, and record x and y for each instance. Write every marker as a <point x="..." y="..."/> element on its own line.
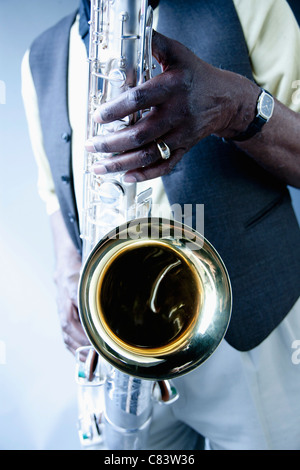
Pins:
<point x="164" y="150"/>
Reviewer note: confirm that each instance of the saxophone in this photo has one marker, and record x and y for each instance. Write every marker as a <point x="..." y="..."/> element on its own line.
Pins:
<point x="154" y="295"/>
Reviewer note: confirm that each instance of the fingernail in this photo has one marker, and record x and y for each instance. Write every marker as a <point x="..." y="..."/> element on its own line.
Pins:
<point x="99" y="169"/>
<point x="89" y="146"/>
<point x="97" y="116"/>
<point x="130" y="179"/>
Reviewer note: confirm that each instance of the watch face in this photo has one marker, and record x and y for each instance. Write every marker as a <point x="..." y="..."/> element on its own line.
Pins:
<point x="266" y="106"/>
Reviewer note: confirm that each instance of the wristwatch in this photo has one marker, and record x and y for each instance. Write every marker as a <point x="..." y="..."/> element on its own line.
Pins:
<point x="264" y="111"/>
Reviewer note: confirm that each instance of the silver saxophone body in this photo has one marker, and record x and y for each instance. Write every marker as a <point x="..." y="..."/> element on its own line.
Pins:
<point x="120" y="37"/>
<point x="154" y="295"/>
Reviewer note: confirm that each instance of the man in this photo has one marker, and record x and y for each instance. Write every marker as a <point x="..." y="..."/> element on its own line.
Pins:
<point x="223" y="153"/>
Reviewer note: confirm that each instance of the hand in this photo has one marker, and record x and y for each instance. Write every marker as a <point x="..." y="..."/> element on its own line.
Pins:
<point x="188" y="101"/>
<point x="66" y="279"/>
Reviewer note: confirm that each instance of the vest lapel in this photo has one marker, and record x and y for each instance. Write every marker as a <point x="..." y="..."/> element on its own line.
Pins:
<point x="49" y="66"/>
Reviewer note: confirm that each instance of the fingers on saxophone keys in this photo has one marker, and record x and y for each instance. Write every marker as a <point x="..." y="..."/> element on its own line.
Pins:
<point x="128" y="161"/>
<point x="147" y="95"/>
<point x="136" y="136"/>
<point x="159" y="168"/>
<point x="124" y="140"/>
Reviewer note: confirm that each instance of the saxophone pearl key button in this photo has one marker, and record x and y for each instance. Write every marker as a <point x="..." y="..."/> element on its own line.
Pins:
<point x="110" y="192"/>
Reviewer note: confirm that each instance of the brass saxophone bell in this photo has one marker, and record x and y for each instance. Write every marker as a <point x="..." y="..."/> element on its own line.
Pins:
<point x="154" y="298"/>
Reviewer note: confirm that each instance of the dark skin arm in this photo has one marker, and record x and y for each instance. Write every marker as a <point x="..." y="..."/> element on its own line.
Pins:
<point x="66" y="277"/>
<point x="189" y="101"/>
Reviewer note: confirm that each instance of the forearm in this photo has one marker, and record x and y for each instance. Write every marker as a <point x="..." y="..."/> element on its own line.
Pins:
<point x="66" y="276"/>
<point x="65" y="251"/>
<point x="68" y="260"/>
<point x="277" y="146"/>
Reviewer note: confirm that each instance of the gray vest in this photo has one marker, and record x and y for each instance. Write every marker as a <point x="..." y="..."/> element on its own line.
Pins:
<point x="248" y="213"/>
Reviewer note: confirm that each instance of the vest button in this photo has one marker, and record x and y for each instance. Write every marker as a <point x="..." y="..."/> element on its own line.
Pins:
<point x="66" y="137"/>
<point x="65" y="179"/>
<point x="71" y="217"/>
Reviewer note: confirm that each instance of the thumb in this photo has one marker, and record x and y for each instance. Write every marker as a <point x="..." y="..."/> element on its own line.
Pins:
<point x="163" y="49"/>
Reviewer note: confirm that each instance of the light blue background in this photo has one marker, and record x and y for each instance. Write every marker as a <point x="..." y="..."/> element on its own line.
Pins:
<point x="38" y="408"/>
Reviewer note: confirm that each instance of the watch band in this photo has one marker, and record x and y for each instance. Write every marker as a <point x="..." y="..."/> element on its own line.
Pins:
<point x="255" y="126"/>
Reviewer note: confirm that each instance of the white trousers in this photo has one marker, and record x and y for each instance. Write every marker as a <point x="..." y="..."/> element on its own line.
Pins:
<point x="239" y="400"/>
